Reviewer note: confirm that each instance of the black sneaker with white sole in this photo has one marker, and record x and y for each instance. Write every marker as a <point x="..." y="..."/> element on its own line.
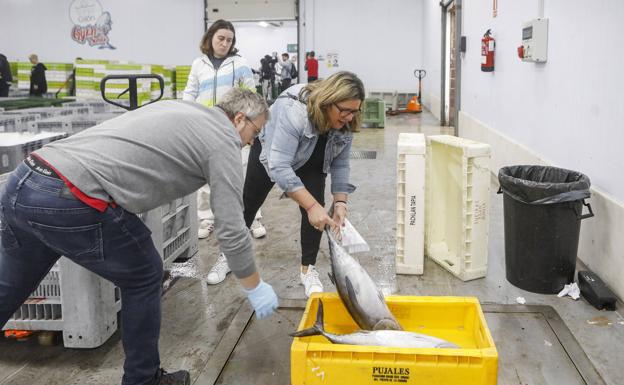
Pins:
<point x="181" y="377"/>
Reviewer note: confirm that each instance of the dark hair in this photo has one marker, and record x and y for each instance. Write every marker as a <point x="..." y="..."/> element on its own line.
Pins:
<point x="312" y="53"/>
<point x="206" y="42"/>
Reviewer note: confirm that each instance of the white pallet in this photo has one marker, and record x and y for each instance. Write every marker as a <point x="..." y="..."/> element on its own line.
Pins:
<point x="410" y="230"/>
<point x="458" y="205"/>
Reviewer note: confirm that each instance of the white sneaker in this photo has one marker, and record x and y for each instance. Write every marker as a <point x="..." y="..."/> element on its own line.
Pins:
<point x="257" y="229"/>
<point x="311" y="281"/>
<point x="206" y="228"/>
<point x="219" y="271"/>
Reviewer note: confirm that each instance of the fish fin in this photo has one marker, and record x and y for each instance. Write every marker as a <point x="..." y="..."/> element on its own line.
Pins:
<point x="331" y="278"/>
<point x="315" y="330"/>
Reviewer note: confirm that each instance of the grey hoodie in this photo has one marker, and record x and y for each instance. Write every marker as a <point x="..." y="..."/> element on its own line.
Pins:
<point x="160" y="152"/>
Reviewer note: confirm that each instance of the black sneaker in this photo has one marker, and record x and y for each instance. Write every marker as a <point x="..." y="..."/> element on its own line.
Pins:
<point x="181" y="377"/>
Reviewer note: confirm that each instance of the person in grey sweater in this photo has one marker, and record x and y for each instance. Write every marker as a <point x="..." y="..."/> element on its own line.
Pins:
<point x="79" y="197"/>
<point x="286" y="74"/>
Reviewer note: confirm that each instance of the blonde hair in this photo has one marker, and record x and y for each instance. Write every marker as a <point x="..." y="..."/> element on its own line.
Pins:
<point x="322" y="94"/>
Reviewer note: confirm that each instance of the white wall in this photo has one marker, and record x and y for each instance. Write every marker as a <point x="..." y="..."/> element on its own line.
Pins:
<point x="144" y="31"/>
<point x="381" y="41"/>
<point x="565" y="113"/>
<point x="254" y="41"/>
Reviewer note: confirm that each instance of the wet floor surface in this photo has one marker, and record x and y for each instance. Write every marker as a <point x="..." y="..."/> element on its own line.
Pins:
<point x="197" y="316"/>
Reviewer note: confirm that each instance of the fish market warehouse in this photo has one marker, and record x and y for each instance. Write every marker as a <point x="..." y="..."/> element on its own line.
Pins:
<point x="311" y="192"/>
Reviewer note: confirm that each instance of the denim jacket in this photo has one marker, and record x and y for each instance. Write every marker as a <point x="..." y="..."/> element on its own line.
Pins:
<point x="288" y="140"/>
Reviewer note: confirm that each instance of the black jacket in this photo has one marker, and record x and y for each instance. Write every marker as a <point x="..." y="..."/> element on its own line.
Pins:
<point x="37" y="77"/>
<point x="5" y="69"/>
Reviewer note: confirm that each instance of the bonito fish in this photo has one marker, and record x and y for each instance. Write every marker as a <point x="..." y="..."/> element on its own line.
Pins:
<point x="361" y="296"/>
<point x="387" y="338"/>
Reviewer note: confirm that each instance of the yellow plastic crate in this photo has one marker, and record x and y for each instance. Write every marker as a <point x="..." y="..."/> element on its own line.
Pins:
<point x="315" y="360"/>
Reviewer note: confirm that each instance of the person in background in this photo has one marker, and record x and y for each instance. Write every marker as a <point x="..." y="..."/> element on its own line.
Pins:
<point x="218" y="70"/>
<point x="267" y="76"/>
<point x="308" y="135"/>
<point x="79" y="197"/>
<point x="312" y="67"/>
<point x="38" y="83"/>
<point x="5" y="76"/>
<point x="285" y="74"/>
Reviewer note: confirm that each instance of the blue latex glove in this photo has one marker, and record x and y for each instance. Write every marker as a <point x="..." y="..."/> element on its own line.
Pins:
<point x="263" y="299"/>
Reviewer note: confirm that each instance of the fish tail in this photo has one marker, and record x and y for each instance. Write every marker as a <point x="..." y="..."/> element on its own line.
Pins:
<point x="315" y="330"/>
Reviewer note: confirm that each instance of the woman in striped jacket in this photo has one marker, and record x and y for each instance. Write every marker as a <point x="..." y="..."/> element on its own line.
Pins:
<point x="218" y="70"/>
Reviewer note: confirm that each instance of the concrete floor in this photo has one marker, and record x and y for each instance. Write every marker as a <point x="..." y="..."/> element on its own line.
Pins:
<point x="196" y="316"/>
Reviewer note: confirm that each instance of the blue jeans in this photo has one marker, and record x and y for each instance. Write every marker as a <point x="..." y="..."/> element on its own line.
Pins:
<point x="40" y="221"/>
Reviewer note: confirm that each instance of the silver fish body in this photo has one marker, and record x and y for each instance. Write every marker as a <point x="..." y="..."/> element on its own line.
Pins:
<point x="361" y="296"/>
<point x="387" y="338"/>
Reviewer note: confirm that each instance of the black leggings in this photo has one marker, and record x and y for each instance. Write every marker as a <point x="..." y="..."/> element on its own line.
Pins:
<point x="258" y="185"/>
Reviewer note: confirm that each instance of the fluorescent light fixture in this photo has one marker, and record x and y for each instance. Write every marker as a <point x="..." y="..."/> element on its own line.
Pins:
<point x="263" y="24"/>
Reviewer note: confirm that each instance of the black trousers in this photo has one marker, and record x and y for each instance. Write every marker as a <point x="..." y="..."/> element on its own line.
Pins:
<point x="257" y="188"/>
<point x="285" y="84"/>
<point x="4" y="89"/>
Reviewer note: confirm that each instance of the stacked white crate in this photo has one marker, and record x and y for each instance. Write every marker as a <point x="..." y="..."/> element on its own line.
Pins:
<point x="174" y="228"/>
<point x="15" y="146"/>
<point x="457" y="205"/>
<point x="73" y="300"/>
<point x="410" y="230"/>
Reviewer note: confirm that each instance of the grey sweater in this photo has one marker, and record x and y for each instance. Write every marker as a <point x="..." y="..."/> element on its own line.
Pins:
<point x="166" y="150"/>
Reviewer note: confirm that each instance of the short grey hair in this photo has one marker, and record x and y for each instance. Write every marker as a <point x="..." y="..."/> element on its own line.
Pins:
<point x="243" y="100"/>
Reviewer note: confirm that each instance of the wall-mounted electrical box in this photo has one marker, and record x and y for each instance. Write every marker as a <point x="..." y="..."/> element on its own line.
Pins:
<point x="534" y="41"/>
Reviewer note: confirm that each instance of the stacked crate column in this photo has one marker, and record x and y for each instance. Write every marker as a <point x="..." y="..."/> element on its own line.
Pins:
<point x="410" y="203"/>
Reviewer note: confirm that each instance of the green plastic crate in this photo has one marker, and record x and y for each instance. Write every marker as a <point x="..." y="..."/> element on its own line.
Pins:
<point x="374" y="113"/>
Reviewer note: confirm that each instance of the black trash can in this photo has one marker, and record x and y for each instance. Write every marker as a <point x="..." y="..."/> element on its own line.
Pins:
<point x="543" y="211"/>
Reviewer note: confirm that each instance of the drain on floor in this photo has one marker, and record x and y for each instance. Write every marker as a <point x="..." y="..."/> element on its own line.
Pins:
<point x="363" y="154"/>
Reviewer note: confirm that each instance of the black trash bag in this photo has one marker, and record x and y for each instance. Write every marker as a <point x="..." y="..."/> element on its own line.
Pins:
<point x="541" y="185"/>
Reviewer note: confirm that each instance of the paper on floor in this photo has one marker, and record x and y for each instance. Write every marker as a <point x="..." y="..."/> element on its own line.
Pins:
<point x="572" y="290"/>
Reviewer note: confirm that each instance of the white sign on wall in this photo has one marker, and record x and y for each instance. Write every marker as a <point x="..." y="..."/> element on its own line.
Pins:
<point x="91" y="23"/>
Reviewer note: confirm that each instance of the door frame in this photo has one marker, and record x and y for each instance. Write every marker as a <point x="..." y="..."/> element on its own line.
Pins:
<point x="444" y="13"/>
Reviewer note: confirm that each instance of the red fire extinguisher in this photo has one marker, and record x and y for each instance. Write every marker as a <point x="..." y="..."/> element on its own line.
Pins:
<point x="487" y="52"/>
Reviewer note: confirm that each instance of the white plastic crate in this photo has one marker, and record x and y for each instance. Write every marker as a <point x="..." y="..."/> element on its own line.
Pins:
<point x="174" y="228"/>
<point x="410" y="230"/>
<point x="458" y="205"/>
<point x="73" y="300"/>
<point x="15" y="147"/>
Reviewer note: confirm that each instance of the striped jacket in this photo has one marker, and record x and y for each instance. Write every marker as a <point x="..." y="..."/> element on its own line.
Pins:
<point x="206" y="85"/>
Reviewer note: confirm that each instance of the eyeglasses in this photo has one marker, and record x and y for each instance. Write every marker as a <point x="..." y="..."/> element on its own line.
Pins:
<point x="257" y="129"/>
<point x="344" y="112"/>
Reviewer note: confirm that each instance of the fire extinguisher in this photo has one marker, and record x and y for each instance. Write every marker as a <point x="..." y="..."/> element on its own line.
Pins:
<point x="487" y="52"/>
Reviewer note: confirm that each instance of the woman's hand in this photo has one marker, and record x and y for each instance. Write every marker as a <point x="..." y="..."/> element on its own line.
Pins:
<point x="318" y="217"/>
<point x="340" y="214"/>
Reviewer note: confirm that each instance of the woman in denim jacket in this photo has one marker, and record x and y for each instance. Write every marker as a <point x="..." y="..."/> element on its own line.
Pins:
<point x="308" y="135"/>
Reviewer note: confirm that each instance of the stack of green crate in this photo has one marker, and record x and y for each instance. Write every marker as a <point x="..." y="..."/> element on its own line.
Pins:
<point x="182" y="74"/>
<point x="374" y="113"/>
<point x="166" y="74"/>
<point x="57" y="76"/>
<point x="13" y="66"/>
<point x="23" y="75"/>
<point x="87" y="85"/>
